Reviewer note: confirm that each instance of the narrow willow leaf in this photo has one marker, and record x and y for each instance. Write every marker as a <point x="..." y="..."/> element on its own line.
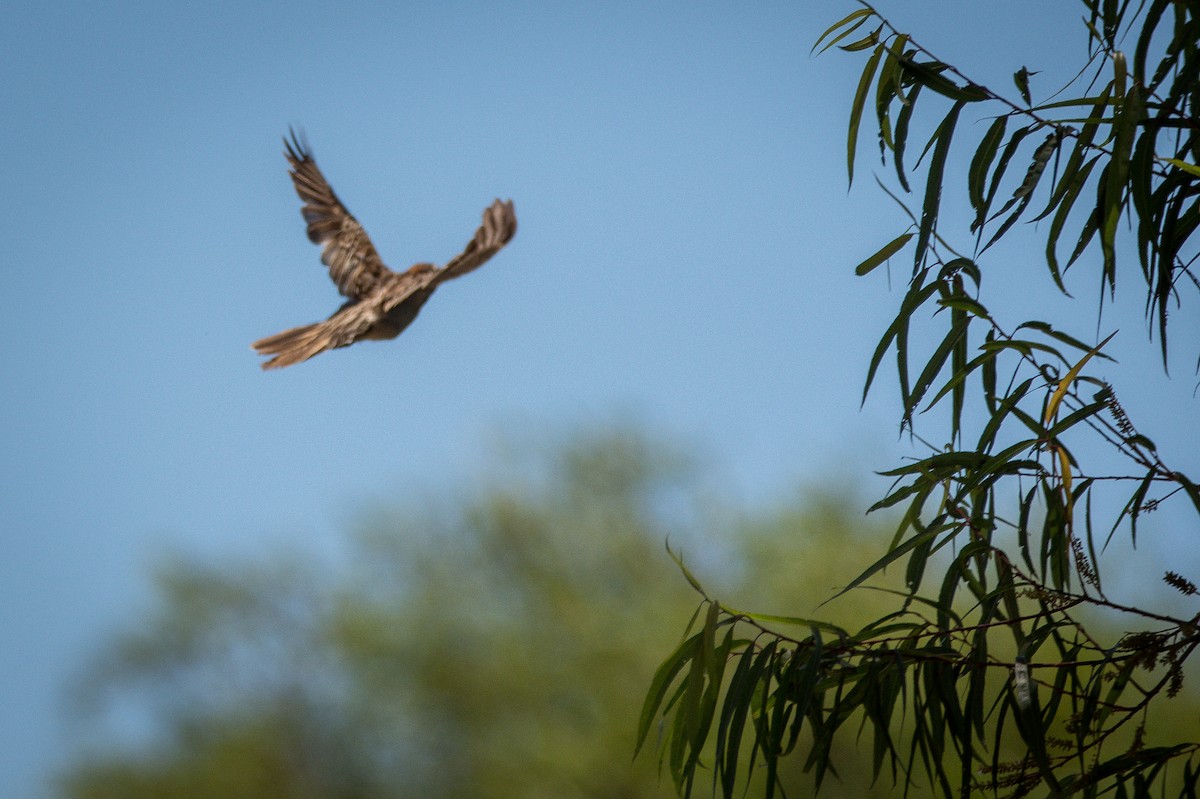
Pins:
<point x="1060" y="219"/>
<point x="886" y="252"/>
<point x="941" y="465"/>
<point x="914" y="299"/>
<point x="887" y="88"/>
<point x="739" y="698"/>
<point x="1073" y="418"/>
<point x="956" y="574"/>
<point x="965" y="304"/>
<point x="853" y="20"/>
<point x="689" y="712"/>
<point x="1041" y="157"/>
<point x="989" y="145"/>
<point x="1118" y="174"/>
<point x="958" y="365"/>
<point x="662" y="680"/>
<point x="933" y="185"/>
<point x="1029" y="725"/>
<point x="1023" y="518"/>
<point x="1064" y="462"/>
<point x="678" y="558"/>
<point x="1078" y="102"/>
<point x="1190" y="488"/>
<point x="1086" y="234"/>
<point x="1010" y="149"/>
<point x="1083" y="146"/>
<point x="728" y="741"/>
<point x="1023" y="346"/>
<point x="960" y="374"/>
<point x="891" y="557"/>
<point x="1191" y="169"/>
<point x="860" y="99"/>
<point x="870" y="40"/>
<point x="891" y="499"/>
<point x="770" y="618"/>
<point x="1005" y="407"/>
<point x="1064" y="384"/>
<point x="934" y="366"/>
<point x="929" y="74"/>
<point x="1043" y="327"/>
<point x="1145" y="210"/>
<point x="1119" y="75"/>
<point x="1008" y="223"/>
<point x="1149" y="25"/>
<point x="900" y="135"/>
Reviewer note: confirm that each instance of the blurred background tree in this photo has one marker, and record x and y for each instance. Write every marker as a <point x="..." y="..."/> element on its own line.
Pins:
<point x="491" y="644"/>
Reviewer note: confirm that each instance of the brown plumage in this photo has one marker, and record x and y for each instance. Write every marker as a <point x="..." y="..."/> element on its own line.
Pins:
<point x="380" y="303"/>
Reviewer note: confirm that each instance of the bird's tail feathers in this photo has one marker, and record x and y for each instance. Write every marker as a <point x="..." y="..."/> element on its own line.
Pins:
<point x="293" y="346"/>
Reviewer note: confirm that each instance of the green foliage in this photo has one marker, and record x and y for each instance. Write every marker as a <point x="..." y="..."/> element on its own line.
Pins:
<point x="491" y="644"/>
<point x="995" y="670"/>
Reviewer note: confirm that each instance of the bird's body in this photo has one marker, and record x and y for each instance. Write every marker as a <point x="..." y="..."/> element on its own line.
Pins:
<point x="380" y="303"/>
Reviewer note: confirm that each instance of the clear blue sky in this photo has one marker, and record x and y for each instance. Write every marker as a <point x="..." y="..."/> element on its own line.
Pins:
<point x="685" y="255"/>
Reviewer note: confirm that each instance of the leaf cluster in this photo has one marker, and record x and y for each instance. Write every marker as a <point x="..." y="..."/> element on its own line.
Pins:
<point x="990" y="675"/>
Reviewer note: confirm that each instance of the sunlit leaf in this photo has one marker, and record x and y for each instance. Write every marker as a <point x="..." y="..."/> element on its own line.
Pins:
<point x="887" y="251"/>
<point x="850" y="22"/>
<point x="1069" y="378"/>
<point x="1191" y="169"/>
<point x="856" y="110"/>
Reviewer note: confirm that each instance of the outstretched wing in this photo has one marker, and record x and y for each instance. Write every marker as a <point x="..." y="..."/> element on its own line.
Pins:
<point x="498" y="228"/>
<point x="353" y="263"/>
<point x="346" y="326"/>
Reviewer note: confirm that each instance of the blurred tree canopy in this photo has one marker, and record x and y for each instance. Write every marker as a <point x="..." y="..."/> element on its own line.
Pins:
<point x="1011" y="662"/>
<point x="493" y="644"/>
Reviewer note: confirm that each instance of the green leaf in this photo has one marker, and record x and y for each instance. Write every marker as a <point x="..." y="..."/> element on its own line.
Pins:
<point x="1112" y="199"/>
<point x="1119" y="75"/>
<point x="887" y="88"/>
<point x="886" y="252"/>
<point x="928" y="73"/>
<point x="916" y="297"/>
<point x="933" y="185"/>
<point x="851" y="22"/>
<point x="1060" y="219"/>
<point x="892" y="556"/>
<point x="900" y="135"/>
<point x="960" y="375"/>
<point x="934" y="366"/>
<point x="1069" y="378"/>
<point x="1191" y="169"/>
<point x="1043" y="327"/>
<point x="860" y="99"/>
<point x="989" y="145"/>
<point x="1087" y="233"/>
<point x="869" y="40"/>
<point x="1083" y="146"/>
<point x="663" y="677"/>
<point x="771" y="618"/>
<point x="1010" y="149"/>
<point x="1149" y="25"/>
<point x="678" y="558"/>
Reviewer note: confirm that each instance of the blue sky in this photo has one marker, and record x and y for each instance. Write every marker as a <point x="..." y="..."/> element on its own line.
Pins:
<point x="685" y="256"/>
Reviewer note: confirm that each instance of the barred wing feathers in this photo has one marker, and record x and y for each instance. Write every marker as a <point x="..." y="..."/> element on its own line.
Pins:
<point x="353" y="263"/>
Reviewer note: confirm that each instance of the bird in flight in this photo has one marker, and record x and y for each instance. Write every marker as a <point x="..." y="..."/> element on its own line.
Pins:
<point x="380" y="303"/>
